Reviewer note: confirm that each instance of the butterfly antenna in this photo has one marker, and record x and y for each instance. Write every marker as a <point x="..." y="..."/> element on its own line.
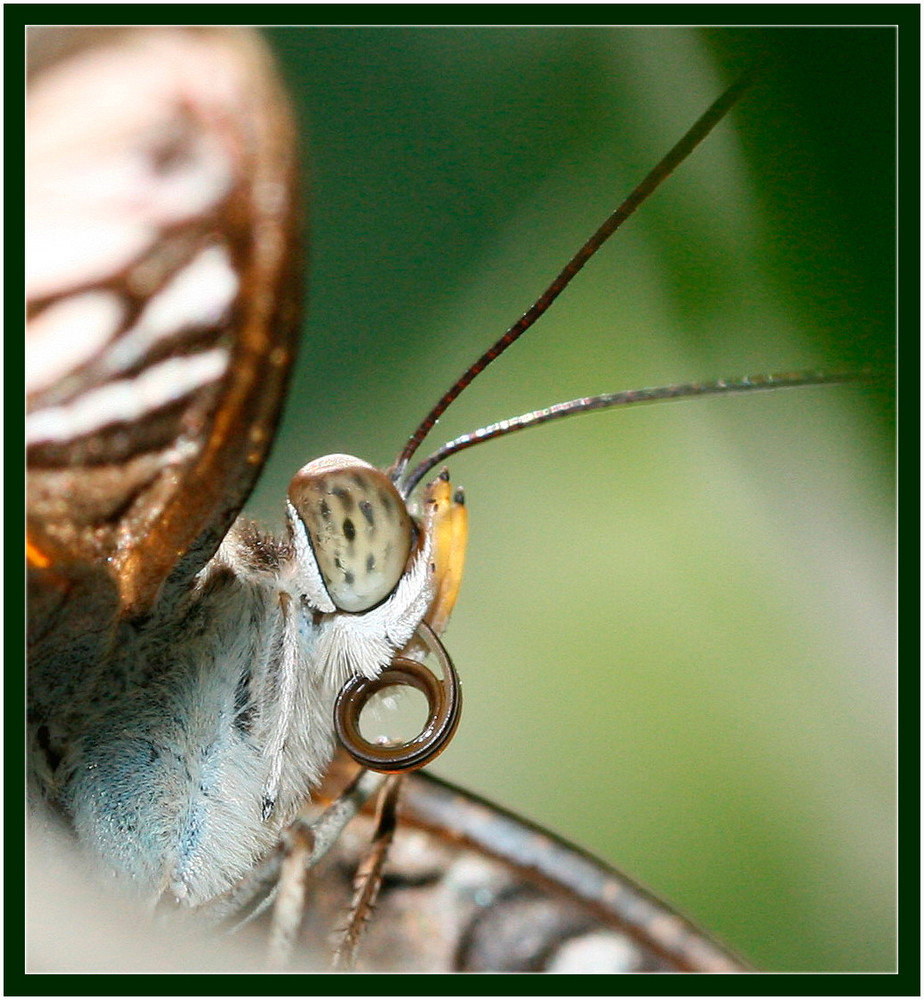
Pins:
<point x="702" y="127"/>
<point x="605" y="401"/>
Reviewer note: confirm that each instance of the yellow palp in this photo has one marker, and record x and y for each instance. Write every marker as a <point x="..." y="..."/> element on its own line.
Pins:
<point x="446" y="520"/>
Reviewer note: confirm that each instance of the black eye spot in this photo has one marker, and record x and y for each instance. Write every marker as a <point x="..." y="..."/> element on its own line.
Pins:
<point x="325" y="510"/>
<point x="344" y="496"/>
<point x="368" y="514"/>
<point x="349" y="529"/>
<point x="370" y="563"/>
<point x="349" y="578"/>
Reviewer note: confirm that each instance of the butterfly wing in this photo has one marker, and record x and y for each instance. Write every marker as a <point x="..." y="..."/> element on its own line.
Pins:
<point x="162" y="308"/>
<point x="469" y="887"/>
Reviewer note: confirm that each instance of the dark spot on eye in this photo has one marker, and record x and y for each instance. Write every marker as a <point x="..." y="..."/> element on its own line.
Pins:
<point x="344" y="496"/>
<point x="337" y="562"/>
<point x="349" y="529"/>
<point x="349" y="578"/>
<point x="368" y="513"/>
<point x="358" y="481"/>
<point x="386" y="501"/>
<point x="370" y="563"/>
<point x="325" y="510"/>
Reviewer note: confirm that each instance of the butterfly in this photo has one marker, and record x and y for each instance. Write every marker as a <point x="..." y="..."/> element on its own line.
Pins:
<point x="224" y="493"/>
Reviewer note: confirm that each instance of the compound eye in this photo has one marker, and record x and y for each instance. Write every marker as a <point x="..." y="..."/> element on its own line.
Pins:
<point x="358" y="525"/>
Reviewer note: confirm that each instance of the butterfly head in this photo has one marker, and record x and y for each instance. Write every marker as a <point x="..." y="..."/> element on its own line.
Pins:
<point x="359" y="551"/>
<point x="352" y="528"/>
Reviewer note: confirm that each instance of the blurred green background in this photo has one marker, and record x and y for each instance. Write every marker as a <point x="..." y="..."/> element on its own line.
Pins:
<point x="676" y="630"/>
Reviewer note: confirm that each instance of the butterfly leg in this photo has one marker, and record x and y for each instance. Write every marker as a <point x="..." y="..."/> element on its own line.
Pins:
<point x="368" y="879"/>
<point x="297" y="843"/>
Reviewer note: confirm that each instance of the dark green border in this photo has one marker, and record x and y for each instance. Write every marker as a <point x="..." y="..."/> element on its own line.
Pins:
<point x="907" y="981"/>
